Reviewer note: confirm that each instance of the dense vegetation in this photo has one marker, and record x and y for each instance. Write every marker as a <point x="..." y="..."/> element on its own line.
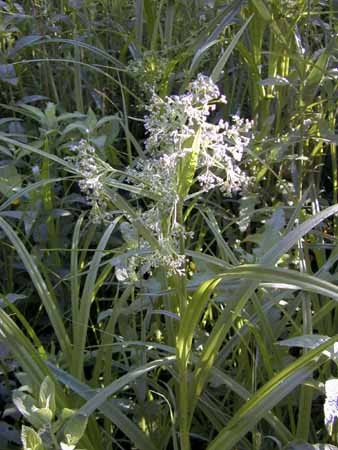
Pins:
<point x="168" y="224"/>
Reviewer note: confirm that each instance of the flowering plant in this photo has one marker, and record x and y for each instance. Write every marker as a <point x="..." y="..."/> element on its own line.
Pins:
<point x="182" y="148"/>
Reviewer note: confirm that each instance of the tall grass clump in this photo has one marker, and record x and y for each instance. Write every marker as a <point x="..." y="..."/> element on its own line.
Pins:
<point x="168" y="225"/>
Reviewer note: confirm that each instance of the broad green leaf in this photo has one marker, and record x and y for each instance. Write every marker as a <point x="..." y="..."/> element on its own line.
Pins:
<point x="8" y="74"/>
<point x="305" y="341"/>
<point x="24" y="41"/>
<point x="271" y="233"/>
<point x="10" y="180"/>
<point x="76" y="126"/>
<point x="74" y="428"/>
<point x="319" y="66"/>
<point x="30" y="439"/>
<point x="47" y="395"/>
<point x="311" y="341"/>
<point x="38" y="417"/>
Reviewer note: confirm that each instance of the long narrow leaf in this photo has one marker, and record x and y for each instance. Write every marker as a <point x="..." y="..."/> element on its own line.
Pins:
<point x="268" y="397"/>
<point x="111" y="411"/>
<point x="216" y="73"/>
<point x="41" y="287"/>
<point x="81" y="321"/>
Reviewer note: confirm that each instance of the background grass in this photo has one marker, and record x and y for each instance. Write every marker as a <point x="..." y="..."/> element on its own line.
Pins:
<point x="234" y="355"/>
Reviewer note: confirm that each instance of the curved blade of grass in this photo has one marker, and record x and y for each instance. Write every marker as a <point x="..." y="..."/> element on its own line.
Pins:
<point x="268" y="397"/>
<point x="289" y="240"/>
<point x="26" y="326"/>
<point x="22" y="349"/>
<point x="29" y="188"/>
<point x="95" y="50"/>
<point x="281" y="430"/>
<point x="282" y="278"/>
<point x="246" y="289"/>
<point x="88" y="294"/>
<point x="198" y="55"/>
<point x="184" y="339"/>
<point x="62" y="162"/>
<point x="74" y="266"/>
<point x="263" y="10"/>
<point x="41" y="287"/>
<point x="98" y="399"/>
<point x="191" y="318"/>
<point x="217" y="25"/>
<point x="92" y="67"/>
<point x="216" y="73"/>
<point x="112" y="412"/>
<point x="31" y="149"/>
<point x="223" y="247"/>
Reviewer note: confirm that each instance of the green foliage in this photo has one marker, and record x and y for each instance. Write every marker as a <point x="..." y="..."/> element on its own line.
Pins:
<point x="146" y="309"/>
<point x="53" y="429"/>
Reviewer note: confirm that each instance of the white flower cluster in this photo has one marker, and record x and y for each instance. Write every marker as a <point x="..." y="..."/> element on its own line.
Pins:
<point x="331" y="405"/>
<point x="141" y="258"/>
<point x="171" y="127"/>
<point x="92" y="171"/>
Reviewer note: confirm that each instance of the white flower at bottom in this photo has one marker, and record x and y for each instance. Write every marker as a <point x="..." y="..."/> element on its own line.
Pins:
<point x="331" y="404"/>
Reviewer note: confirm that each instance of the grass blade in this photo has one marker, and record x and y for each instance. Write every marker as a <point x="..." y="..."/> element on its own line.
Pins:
<point x="111" y="411"/>
<point x="268" y="396"/>
<point x="41" y="287"/>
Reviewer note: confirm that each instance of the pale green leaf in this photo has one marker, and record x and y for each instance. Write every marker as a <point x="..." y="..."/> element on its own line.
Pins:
<point x="74" y="428"/>
<point x="30" y="439"/>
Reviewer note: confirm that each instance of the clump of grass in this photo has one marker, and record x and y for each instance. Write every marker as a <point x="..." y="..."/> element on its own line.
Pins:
<point x="169" y="269"/>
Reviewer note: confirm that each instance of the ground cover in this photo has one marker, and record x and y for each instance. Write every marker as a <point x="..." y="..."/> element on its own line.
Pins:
<point x="168" y="225"/>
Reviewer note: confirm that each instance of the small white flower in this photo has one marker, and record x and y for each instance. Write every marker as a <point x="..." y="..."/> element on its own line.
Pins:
<point x="92" y="170"/>
<point x="36" y="170"/>
<point x="331" y="404"/>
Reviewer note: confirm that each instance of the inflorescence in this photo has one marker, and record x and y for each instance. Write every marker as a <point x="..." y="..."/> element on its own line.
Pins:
<point x="171" y="126"/>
